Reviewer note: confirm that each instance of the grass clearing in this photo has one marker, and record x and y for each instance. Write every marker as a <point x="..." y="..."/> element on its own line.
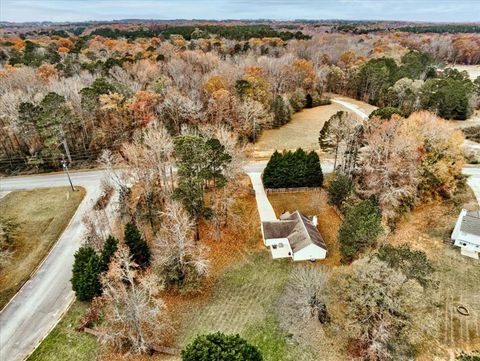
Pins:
<point x="243" y="302"/>
<point x="65" y="342"/>
<point x="42" y="215"/>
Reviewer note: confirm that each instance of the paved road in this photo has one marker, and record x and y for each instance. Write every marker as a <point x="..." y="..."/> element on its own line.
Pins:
<point x="40" y="303"/>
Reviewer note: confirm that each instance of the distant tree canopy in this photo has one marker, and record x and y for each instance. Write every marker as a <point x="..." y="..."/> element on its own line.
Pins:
<point x="293" y="169"/>
<point x="220" y="347"/>
<point x="448" y="97"/>
<point x="446" y="28"/>
<point x="239" y="32"/>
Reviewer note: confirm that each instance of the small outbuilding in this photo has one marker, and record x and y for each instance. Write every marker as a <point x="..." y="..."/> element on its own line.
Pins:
<point x="466" y="233"/>
<point x="294" y="236"/>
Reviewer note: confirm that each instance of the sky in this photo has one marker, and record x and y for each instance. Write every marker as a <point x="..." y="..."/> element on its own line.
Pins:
<point x="81" y="10"/>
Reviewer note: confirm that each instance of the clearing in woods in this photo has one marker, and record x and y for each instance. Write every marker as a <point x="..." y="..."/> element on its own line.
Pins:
<point x="302" y="131"/>
<point x="41" y="216"/>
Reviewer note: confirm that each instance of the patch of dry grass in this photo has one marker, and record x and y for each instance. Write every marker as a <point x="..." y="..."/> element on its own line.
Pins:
<point x="42" y="215"/>
<point x="313" y="203"/>
<point x="302" y="131"/>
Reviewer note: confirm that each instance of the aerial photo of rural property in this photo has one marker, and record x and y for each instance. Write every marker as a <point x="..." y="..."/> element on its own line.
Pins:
<point x="239" y="180"/>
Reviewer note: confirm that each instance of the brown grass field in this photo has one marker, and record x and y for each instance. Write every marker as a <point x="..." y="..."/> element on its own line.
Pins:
<point x="42" y="215"/>
<point x="302" y="131"/>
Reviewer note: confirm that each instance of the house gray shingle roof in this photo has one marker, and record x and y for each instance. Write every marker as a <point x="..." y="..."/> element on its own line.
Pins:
<point x="471" y="223"/>
<point x="297" y="227"/>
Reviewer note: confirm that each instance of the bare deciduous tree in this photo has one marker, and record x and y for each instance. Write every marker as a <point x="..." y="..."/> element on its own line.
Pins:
<point x="135" y="318"/>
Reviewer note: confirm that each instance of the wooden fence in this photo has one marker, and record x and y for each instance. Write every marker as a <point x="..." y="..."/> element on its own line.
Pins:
<point x="292" y="190"/>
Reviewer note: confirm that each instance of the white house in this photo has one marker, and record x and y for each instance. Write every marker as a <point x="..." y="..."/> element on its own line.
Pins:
<point x="294" y="236"/>
<point x="466" y="233"/>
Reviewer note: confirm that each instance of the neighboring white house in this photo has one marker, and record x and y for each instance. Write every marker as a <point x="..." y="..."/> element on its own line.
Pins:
<point x="294" y="236"/>
<point x="466" y="233"/>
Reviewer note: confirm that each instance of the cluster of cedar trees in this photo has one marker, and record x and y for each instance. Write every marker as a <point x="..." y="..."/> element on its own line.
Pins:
<point x="89" y="264"/>
<point x="293" y="169"/>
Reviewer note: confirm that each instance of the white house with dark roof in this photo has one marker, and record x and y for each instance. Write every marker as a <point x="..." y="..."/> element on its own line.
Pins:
<point x="466" y="233"/>
<point x="294" y="236"/>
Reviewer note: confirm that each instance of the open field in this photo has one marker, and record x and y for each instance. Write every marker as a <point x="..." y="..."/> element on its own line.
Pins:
<point x="302" y="131"/>
<point x="41" y="215"/>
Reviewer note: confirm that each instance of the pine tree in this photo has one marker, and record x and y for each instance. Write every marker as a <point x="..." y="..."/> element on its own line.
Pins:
<point x="109" y="248"/>
<point x="314" y="175"/>
<point x="282" y="112"/>
<point x="86" y="274"/>
<point x="339" y="189"/>
<point x="138" y="246"/>
<point x="270" y="173"/>
<point x="360" y="229"/>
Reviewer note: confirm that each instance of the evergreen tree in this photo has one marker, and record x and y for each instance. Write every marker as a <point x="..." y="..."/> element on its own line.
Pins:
<point x="271" y="171"/>
<point x="86" y="274"/>
<point x="220" y="347"/>
<point x="282" y="111"/>
<point x="313" y="175"/>
<point x="359" y="230"/>
<point x="339" y="189"/>
<point x="138" y="246"/>
<point x="109" y="248"/>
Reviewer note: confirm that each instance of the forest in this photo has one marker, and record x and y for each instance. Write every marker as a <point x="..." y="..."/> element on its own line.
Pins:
<point x="81" y="94"/>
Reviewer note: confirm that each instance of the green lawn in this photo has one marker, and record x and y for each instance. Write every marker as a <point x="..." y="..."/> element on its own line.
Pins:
<point x="65" y="343"/>
<point x="42" y="215"/>
<point x="244" y="302"/>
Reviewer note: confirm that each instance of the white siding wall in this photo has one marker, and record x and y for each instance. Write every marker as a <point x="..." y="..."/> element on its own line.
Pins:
<point x="310" y="252"/>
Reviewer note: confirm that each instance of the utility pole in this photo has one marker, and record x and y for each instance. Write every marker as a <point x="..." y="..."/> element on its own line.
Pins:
<point x="65" y="168"/>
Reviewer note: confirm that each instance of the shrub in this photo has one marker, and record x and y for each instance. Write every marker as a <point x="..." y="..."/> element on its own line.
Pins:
<point x="385" y="113"/>
<point x="359" y="230"/>
<point x="220" y="347"/>
<point x="413" y="264"/>
<point x="297" y="169"/>
<point x="139" y="249"/>
<point x="339" y="189"/>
